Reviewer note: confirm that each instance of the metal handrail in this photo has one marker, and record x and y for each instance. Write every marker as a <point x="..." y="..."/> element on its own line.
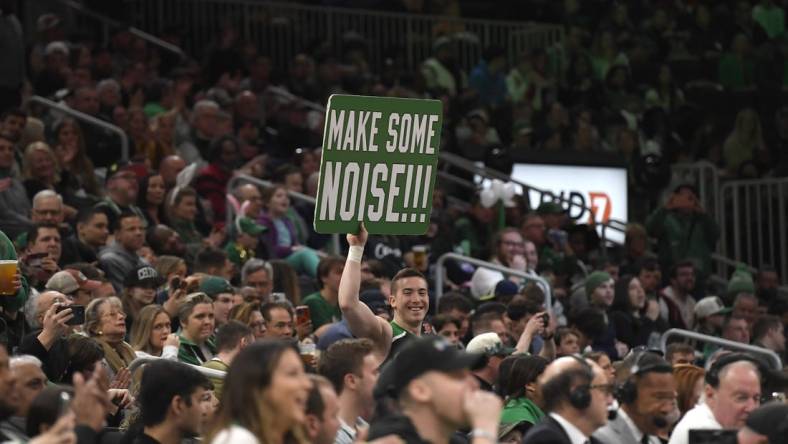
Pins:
<point x="490" y="173"/>
<point x="231" y="184"/>
<point x="87" y="118"/>
<point x="548" y="296"/>
<point x="80" y="8"/>
<point x="209" y="372"/>
<point x="725" y="343"/>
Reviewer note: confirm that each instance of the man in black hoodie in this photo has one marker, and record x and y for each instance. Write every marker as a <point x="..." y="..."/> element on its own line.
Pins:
<point x="427" y="381"/>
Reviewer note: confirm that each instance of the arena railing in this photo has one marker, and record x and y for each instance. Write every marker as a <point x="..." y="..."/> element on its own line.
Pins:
<point x="107" y="22"/>
<point x="752" y="220"/>
<point x="542" y="282"/>
<point x="724" y="343"/>
<point x="239" y="178"/>
<point x="449" y="159"/>
<point x="137" y="364"/>
<point x="90" y="120"/>
<point x="283" y="30"/>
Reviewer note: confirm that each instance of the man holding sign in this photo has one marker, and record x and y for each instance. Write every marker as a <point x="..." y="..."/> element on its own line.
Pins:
<point x="409" y="300"/>
<point x="379" y="163"/>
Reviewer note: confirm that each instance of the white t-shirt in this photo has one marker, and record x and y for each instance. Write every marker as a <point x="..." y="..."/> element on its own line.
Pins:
<point x="699" y="417"/>
<point x="235" y="435"/>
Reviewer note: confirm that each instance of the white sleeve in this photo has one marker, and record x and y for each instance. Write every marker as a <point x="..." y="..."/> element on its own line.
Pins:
<point x="170" y="353"/>
<point x="235" y="435"/>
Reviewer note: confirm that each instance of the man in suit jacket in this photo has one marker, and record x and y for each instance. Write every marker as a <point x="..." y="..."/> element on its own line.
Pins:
<point x="576" y="393"/>
<point x="647" y="395"/>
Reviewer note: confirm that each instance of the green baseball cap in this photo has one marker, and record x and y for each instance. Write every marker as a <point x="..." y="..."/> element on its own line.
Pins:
<point x="215" y="285"/>
<point x="248" y="226"/>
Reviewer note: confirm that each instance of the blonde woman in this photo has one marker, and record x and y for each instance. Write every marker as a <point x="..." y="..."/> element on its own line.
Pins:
<point x="152" y="336"/>
<point x="744" y="143"/>
<point x="74" y="164"/>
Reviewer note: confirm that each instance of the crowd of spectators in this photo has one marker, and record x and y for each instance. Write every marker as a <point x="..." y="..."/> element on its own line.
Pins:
<point x="253" y="329"/>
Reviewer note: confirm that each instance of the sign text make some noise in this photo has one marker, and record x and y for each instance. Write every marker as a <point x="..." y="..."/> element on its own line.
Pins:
<point x="379" y="164"/>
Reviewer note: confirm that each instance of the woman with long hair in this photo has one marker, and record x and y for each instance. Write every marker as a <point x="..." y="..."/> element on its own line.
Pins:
<point x="286" y="281"/>
<point x="250" y="315"/>
<point x="517" y="386"/>
<point x="264" y="395"/>
<point x="635" y="316"/>
<point x="281" y="233"/>
<point x="151" y="334"/>
<point x="745" y="143"/>
<point x="75" y="166"/>
<point x="150" y="199"/>
<point x="181" y="205"/>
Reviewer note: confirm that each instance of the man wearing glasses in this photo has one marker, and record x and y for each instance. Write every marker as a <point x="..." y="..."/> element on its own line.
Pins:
<point x="647" y="394"/>
<point x="576" y="394"/>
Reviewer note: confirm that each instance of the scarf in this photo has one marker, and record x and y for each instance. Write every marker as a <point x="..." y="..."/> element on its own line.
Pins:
<point x="118" y="356"/>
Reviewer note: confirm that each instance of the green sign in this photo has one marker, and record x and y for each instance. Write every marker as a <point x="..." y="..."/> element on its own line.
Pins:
<point x="379" y="163"/>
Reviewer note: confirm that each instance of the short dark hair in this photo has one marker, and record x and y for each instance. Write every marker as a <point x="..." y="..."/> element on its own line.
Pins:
<point x="85" y="215"/>
<point x="555" y="391"/>
<point x="454" y="300"/>
<point x="209" y="257"/>
<point x="315" y="404"/>
<point x="590" y="322"/>
<point x="674" y="271"/>
<point x="325" y="266"/>
<point x="121" y="217"/>
<point x="284" y="170"/>
<point x="404" y="274"/>
<point x="764" y="324"/>
<point x="521" y="307"/>
<point x="162" y="380"/>
<point x="266" y="308"/>
<point x="647" y="264"/>
<point x="32" y="233"/>
<point x="343" y="357"/>
<point x="678" y="347"/>
<point x="83" y="353"/>
<point x="563" y="332"/>
<point x="230" y="334"/>
<point x="44" y="409"/>
<point x="439" y="321"/>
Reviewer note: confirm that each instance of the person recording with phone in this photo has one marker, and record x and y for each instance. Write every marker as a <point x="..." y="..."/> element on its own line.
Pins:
<point x="42" y="253"/>
<point x="50" y="316"/>
<point x="647" y="396"/>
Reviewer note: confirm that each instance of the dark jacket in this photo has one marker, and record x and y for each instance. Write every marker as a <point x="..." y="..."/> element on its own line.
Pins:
<point x="117" y="263"/>
<point x="636" y="331"/>
<point x="55" y="360"/>
<point x="549" y="431"/>
<point x="74" y="250"/>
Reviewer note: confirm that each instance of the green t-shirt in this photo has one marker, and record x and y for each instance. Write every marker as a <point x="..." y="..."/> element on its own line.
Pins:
<point x="521" y="409"/>
<point x="321" y="311"/>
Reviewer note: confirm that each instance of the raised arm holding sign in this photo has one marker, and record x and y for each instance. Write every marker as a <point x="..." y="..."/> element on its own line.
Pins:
<point x="409" y="301"/>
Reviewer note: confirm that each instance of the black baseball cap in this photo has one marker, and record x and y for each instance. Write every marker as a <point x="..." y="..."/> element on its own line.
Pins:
<point x="771" y="420"/>
<point x="143" y="276"/>
<point x="419" y="356"/>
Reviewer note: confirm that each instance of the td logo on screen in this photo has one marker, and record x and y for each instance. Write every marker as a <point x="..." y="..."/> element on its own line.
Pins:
<point x="598" y="202"/>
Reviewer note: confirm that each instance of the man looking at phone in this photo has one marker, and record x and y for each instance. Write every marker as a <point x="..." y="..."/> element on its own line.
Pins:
<point x="43" y="253"/>
<point x="47" y="341"/>
<point x="409" y="300"/>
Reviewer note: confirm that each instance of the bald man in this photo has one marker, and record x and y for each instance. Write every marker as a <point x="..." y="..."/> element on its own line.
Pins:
<point x="577" y="394"/>
<point x="169" y="167"/>
<point x="251" y="193"/>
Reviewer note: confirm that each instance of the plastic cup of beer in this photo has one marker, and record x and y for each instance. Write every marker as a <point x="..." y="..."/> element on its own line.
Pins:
<point x="7" y="275"/>
<point x="420" y="257"/>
